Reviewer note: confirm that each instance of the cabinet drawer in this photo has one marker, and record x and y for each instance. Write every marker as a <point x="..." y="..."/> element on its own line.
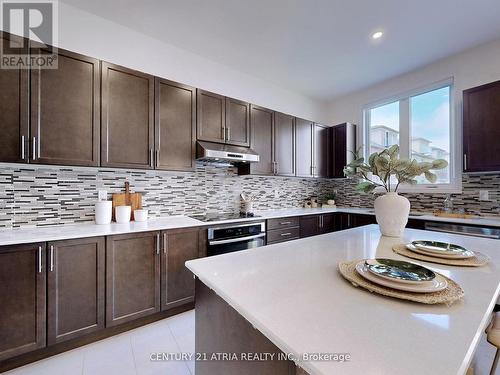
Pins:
<point x="284" y="222"/>
<point x="280" y="235"/>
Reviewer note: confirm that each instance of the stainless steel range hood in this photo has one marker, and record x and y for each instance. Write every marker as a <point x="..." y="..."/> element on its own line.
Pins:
<point x="221" y="153"/>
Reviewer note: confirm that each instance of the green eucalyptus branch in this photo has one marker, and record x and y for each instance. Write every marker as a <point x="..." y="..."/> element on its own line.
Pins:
<point x="387" y="163"/>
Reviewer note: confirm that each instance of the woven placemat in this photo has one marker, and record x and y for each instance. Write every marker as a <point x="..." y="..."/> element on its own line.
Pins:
<point x="476" y="261"/>
<point x="452" y="293"/>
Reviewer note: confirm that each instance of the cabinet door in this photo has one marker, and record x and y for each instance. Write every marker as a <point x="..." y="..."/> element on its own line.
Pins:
<point x="132" y="276"/>
<point x="175" y="126"/>
<point x="211" y="117"/>
<point x="75" y="288"/>
<point x="309" y="225"/>
<point x="127" y="118"/>
<point x="321" y="151"/>
<point x="339" y="135"/>
<point x="481" y="130"/>
<point x="358" y="220"/>
<point x="22" y="310"/>
<point x="177" y="282"/>
<point x="284" y="144"/>
<point x="237" y="122"/>
<point x="65" y="111"/>
<point x="328" y="223"/>
<point x="14" y="105"/>
<point x="262" y="123"/>
<point x="304" y="148"/>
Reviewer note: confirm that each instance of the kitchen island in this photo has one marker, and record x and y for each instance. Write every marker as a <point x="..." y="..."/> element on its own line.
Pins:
<point x="298" y="303"/>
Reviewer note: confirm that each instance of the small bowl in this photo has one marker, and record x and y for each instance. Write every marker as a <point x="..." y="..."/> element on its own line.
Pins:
<point x="141" y="215"/>
<point x="122" y="214"/>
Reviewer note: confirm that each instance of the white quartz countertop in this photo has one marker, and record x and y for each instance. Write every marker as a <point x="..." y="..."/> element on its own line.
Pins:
<point x="293" y="293"/>
<point x="69" y="231"/>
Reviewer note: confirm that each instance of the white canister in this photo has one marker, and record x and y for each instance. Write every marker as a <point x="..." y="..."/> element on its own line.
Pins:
<point x="103" y="210"/>
<point x="141" y="215"/>
<point x="122" y="214"/>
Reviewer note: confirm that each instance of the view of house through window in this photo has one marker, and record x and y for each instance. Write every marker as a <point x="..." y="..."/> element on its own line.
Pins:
<point x="427" y="128"/>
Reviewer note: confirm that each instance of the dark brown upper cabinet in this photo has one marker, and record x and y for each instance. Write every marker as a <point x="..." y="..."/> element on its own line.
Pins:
<point x="284" y="144"/>
<point x="14" y="105"/>
<point x="321" y="151"/>
<point x="75" y="286"/>
<point x="211" y="117"/>
<point x="262" y="124"/>
<point x="175" y="126"/>
<point x="304" y="133"/>
<point x="177" y="282"/>
<point x="481" y="128"/>
<point x="342" y="140"/>
<point x="65" y="109"/>
<point x="23" y="291"/>
<point x="127" y="120"/>
<point x="237" y="122"/>
<point x="132" y="276"/>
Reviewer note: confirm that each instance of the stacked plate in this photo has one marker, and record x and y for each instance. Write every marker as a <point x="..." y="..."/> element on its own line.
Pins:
<point x="401" y="275"/>
<point x="439" y="250"/>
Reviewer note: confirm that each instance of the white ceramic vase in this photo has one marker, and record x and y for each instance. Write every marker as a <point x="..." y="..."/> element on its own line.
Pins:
<point x="392" y="211"/>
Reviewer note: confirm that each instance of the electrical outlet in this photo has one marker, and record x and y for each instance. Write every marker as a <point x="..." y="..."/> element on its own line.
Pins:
<point x="102" y="195"/>
<point x="484" y="195"/>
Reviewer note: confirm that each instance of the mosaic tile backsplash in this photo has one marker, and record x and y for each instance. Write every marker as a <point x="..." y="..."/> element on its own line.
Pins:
<point x="468" y="199"/>
<point x="40" y="196"/>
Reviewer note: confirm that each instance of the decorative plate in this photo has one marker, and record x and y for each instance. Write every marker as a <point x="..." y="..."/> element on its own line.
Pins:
<point x="442" y="249"/>
<point x="399" y="271"/>
<point x="435" y="285"/>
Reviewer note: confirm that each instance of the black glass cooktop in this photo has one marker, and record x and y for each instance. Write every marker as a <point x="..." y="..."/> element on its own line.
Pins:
<point x="208" y="217"/>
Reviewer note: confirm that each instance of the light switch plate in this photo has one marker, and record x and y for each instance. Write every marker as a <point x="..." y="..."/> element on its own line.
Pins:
<point x="102" y="195"/>
<point x="484" y="195"/>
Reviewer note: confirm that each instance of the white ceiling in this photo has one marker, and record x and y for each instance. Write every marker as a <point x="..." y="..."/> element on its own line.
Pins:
<point x="318" y="48"/>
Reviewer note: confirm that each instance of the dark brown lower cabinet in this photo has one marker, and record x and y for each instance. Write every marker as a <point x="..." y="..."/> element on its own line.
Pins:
<point x="328" y="223"/>
<point x="75" y="279"/>
<point x="309" y="225"/>
<point x="132" y="276"/>
<point x="177" y="282"/>
<point x="22" y="295"/>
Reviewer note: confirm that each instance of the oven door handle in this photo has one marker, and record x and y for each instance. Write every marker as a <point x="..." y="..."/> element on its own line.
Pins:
<point x="239" y="239"/>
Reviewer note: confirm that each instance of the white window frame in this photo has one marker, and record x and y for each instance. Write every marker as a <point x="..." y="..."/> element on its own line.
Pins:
<point x="455" y="184"/>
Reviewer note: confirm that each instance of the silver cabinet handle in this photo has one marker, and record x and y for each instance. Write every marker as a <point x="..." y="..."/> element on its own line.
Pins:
<point x="224" y="132"/>
<point x="39" y="259"/>
<point x="228" y="134"/>
<point x="157" y="157"/>
<point x="22" y="148"/>
<point x="158" y="244"/>
<point x="151" y="161"/>
<point x="34" y="148"/>
<point x="51" y="258"/>
<point x="164" y="243"/>
<point x="285" y="222"/>
<point x="465" y="162"/>
<point x="285" y="234"/>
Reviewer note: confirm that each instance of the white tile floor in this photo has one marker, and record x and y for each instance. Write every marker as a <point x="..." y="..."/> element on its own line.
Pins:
<point x="129" y="353"/>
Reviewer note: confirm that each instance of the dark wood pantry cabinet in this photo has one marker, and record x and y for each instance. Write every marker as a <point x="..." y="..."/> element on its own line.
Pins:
<point x="262" y="124"/>
<point x="177" y="282"/>
<point x="132" y="276"/>
<point x="304" y="132"/>
<point x="175" y="126"/>
<point x="127" y="118"/>
<point x="284" y="144"/>
<point x="14" y="106"/>
<point x="23" y="296"/>
<point x="75" y="286"/>
<point x="65" y="106"/>
<point x="481" y="128"/>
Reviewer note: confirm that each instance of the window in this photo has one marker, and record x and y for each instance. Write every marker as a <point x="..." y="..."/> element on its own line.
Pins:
<point x="420" y="122"/>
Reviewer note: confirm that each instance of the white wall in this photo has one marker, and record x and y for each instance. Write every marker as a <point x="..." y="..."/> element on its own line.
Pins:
<point x="473" y="67"/>
<point x="85" y="33"/>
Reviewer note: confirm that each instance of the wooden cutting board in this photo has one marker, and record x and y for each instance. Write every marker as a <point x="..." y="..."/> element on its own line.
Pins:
<point x="454" y="215"/>
<point x="127" y="199"/>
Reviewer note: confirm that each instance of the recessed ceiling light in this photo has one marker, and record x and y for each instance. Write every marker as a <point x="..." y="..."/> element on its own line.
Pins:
<point x="377" y="35"/>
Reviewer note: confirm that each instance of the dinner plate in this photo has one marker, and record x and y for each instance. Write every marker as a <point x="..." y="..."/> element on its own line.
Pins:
<point x="435" y="285"/>
<point x="399" y="271"/>
<point x="458" y="252"/>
